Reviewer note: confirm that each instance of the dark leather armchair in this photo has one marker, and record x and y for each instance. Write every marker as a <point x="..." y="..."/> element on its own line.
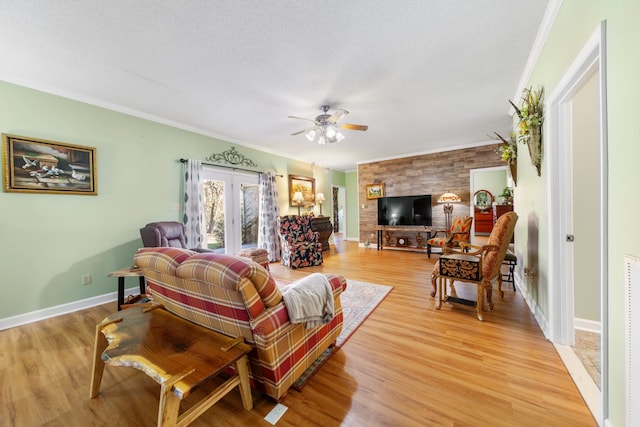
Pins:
<point x="166" y="234"/>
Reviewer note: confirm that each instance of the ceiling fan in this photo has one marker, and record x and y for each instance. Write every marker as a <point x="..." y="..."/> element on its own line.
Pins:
<point x="326" y="126"/>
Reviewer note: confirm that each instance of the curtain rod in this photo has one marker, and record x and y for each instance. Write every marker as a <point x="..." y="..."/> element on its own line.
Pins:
<point x="229" y="167"/>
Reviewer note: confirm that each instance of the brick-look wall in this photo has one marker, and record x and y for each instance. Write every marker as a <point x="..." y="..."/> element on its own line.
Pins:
<point x="432" y="174"/>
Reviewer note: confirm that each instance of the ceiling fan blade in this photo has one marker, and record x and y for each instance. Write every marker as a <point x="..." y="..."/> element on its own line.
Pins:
<point x="302" y="131"/>
<point x="301" y="118"/>
<point x="352" y="126"/>
<point x="337" y="116"/>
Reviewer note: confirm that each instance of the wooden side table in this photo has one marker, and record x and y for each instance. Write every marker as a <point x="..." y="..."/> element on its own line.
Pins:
<point x="323" y="226"/>
<point x="177" y="354"/>
<point x="127" y="272"/>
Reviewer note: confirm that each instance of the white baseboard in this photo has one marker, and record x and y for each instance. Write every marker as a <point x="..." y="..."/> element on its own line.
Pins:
<point x="45" y="313"/>
<point x="371" y="246"/>
<point x="587" y="388"/>
<point x="587" y="325"/>
<point x="533" y="306"/>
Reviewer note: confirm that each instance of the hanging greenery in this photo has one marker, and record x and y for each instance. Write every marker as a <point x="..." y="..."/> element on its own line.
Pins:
<point x="529" y="127"/>
<point x="509" y="153"/>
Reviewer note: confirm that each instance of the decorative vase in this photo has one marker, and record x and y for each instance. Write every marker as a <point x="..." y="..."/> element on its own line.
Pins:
<point x="534" y="143"/>
<point x="513" y="170"/>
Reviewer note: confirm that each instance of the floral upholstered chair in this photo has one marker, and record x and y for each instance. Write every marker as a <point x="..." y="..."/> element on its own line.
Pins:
<point x="459" y="232"/>
<point x="301" y="245"/>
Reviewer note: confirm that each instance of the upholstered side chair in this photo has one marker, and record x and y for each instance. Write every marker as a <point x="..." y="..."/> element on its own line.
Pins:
<point x="300" y="245"/>
<point x="481" y="266"/>
<point x="459" y="232"/>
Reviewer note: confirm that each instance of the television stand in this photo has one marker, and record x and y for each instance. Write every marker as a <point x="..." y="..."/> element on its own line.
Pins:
<point x="411" y="239"/>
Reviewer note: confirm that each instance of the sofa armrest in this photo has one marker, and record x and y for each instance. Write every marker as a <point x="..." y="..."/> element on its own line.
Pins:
<point x="338" y="284"/>
<point x="274" y="318"/>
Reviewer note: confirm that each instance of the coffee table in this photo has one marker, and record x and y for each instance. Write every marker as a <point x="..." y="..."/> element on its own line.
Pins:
<point x="177" y="354"/>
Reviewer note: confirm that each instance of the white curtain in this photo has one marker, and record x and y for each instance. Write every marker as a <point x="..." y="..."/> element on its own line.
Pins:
<point x="193" y="205"/>
<point x="269" y="212"/>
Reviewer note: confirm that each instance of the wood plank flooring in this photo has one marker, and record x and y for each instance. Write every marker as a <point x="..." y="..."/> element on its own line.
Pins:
<point x="407" y="365"/>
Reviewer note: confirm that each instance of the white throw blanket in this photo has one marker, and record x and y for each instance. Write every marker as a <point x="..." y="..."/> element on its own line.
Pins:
<point x="309" y="300"/>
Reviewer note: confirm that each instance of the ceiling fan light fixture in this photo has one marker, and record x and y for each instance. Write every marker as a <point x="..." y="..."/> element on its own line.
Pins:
<point x="326" y="127"/>
<point x="311" y="135"/>
<point x="330" y="132"/>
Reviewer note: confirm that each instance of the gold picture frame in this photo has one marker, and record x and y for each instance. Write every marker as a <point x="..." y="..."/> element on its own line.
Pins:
<point x="305" y="185"/>
<point x="375" y="191"/>
<point x="34" y="165"/>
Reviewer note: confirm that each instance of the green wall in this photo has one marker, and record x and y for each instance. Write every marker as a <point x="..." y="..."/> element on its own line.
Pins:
<point x="51" y="240"/>
<point x="351" y="184"/>
<point x="576" y="22"/>
<point x="493" y="181"/>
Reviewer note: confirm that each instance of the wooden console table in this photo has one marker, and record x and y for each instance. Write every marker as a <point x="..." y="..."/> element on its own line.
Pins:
<point x="323" y="226"/>
<point x="177" y="354"/>
<point x="412" y="242"/>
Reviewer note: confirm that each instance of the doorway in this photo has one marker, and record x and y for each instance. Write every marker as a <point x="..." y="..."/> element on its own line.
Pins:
<point x="577" y="188"/>
<point x="231" y="203"/>
<point x="338" y="214"/>
<point x="492" y="179"/>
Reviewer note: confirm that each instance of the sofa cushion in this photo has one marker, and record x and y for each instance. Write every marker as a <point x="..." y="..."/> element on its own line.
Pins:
<point x="229" y="271"/>
<point x="165" y="260"/>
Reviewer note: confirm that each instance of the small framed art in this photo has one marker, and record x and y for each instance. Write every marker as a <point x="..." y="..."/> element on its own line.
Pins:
<point x="375" y="191"/>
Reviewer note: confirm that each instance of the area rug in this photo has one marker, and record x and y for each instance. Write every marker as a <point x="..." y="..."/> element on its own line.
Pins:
<point x="358" y="302"/>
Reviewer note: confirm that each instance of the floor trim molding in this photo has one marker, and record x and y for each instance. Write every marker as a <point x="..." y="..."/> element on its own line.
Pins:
<point x="45" y="313"/>
<point x="589" y="390"/>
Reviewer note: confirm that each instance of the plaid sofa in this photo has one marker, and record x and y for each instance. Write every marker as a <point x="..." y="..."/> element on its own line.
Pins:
<point x="238" y="297"/>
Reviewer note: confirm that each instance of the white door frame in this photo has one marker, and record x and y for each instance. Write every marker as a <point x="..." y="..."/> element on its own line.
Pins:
<point x="341" y="199"/>
<point x="591" y="60"/>
<point x="472" y="189"/>
<point x="232" y="181"/>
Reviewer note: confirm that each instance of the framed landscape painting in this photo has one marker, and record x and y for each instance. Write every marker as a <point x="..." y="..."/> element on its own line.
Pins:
<point x="307" y="186"/>
<point x="34" y="165"/>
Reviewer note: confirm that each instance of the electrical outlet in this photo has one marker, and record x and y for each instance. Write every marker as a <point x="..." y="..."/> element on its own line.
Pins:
<point x="86" y="279"/>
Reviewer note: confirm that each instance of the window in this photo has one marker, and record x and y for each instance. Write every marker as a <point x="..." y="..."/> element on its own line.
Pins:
<point x="231" y="203"/>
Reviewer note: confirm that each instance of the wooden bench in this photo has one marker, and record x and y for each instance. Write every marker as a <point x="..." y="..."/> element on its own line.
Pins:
<point x="177" y="354"/>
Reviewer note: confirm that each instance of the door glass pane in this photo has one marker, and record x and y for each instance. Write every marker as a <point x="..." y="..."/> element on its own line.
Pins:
<point x="249" y="203"/>
<point x="214" y="214"/>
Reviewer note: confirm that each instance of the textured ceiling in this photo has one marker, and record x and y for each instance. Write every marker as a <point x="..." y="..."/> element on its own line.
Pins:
<point x="425" y="75"/>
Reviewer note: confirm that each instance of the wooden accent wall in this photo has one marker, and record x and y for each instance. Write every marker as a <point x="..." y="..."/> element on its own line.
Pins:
<point x="432" y="174"/>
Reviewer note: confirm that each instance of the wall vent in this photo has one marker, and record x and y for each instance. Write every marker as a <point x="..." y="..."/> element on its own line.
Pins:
<point x="632" y="336"/>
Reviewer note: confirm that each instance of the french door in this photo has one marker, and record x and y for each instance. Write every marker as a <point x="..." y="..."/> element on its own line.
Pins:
<point x="231" y="203"/>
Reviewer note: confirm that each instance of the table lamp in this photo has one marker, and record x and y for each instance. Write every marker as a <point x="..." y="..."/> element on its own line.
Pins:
<point x="448" y="198"/>
<point x="298" y="199"/>
<point x="320" y="198"/>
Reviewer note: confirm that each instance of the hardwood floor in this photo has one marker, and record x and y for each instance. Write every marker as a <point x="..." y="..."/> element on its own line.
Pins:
<point x="407" y="365"/>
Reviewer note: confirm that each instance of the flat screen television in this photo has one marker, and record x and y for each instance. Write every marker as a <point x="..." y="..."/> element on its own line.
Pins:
<point x="405" y="210"/>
